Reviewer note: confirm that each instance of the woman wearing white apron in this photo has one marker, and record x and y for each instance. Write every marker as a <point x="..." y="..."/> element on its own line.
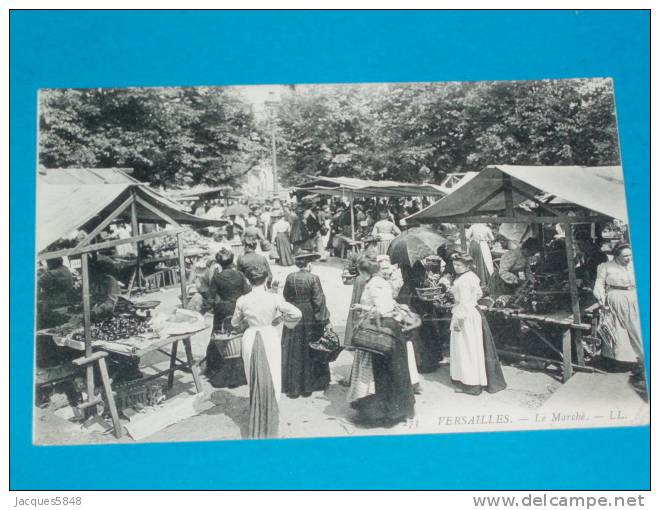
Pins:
<point x="261" y="312"/>
<point x="474" y="364"/>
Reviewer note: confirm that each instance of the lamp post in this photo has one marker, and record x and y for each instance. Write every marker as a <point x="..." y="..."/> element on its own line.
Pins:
<point x="272" y="105"/>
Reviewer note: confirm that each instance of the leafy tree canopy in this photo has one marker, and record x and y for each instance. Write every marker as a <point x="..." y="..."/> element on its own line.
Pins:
<point x="172" y="137"/>
<point x="415" y="132"/>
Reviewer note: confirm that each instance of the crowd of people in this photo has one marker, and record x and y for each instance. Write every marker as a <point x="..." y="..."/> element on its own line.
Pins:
<point x="390" y="330"/>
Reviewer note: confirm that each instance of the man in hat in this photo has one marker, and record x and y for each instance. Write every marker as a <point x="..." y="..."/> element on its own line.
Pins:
<point x="251" y="260"/>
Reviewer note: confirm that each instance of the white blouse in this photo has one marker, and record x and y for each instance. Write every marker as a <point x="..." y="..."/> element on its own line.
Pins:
<point x="281" y="226"/>
<point x="466" y="291"/>
<point x="378" y="293"/>
<point x="479" y="232"/>
<point x="613" y="274"/>
<point x="260" y="308"/>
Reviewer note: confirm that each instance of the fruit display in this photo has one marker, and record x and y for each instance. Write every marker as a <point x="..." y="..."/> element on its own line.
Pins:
<point x="167" y="246"/>
<point x="117" y="328"/>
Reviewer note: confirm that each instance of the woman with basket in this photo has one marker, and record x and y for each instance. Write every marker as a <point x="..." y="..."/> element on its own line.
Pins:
<point x="302" y="373"/>
<point x="258" y="314"/>
<point x="381" y="356"/>
<point x="225" y="288"/>
<point x="620" y="329"/>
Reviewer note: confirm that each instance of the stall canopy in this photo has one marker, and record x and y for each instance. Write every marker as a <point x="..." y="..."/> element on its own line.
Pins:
<point x="572" y="193"/>
<point x="201" y="192"/>
<point x="63" y="208"/>
<point x="351" y="187"/>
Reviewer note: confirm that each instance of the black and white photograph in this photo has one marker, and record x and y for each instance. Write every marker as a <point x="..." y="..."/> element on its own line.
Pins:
<point x="332" y="260"/>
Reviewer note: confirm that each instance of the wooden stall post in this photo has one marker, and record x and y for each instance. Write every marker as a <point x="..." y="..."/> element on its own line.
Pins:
<point x="182" y="270"/>
<point x="87" y="321"/>
<point x="463" y="238"/>
<point x="352" y="219"/>
<point x="575" y="334"/>
<point x="135" y="231"/>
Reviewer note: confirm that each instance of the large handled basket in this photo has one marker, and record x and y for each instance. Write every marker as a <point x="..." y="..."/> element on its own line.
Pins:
<point x="228" y="342"/>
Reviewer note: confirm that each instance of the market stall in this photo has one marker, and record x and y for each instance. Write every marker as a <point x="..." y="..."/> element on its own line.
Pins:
<point x="351" y="188"/>
<point x="90" y="209"/>
<point x="538" y="195"/>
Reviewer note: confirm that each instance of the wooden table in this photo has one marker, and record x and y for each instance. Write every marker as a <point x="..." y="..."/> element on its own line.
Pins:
<point x="353" y="245"/>
<point x="135" y="352"/>
<point x="571" y="335"/>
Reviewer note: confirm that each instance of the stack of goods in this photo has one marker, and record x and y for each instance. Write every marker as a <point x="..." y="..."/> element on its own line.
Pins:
<point x="544" y="294"/>
<point x="117" y="328"/>
<point x="136" y="394"/>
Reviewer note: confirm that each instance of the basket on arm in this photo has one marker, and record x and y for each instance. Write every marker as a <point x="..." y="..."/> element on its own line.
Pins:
<point x="227" y="341"/>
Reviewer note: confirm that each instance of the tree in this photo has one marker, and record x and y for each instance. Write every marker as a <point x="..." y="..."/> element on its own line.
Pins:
<point x="414" y="132"/>
<point x="173" y="137"/>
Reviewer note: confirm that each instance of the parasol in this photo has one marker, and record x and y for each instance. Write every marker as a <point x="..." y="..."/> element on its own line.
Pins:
<point x="236" y="210"/>
<point x="415" y="244"/>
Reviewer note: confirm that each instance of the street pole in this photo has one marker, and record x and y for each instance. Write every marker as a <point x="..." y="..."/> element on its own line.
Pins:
<point x="272" y="107"/>
<point x="274" y="149"/>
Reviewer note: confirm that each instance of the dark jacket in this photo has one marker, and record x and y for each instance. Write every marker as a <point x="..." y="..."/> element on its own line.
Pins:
<point x="254" y="260"/>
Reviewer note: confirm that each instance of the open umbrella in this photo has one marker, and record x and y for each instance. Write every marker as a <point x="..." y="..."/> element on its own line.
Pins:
<point x="415" y="244"/>
<point x="236" y="210"/>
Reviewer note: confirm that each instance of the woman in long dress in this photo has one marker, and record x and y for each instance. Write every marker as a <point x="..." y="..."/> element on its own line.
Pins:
<point x="474" y="364"/>
<point x="615" y="289"/>
<point x="480" y="236"/>
<point x="385" y="231"/>
<point x="281" y="231"/>
<point x="260" y="312"/>
<point x="225" y="288"/>
<point x="301" y="373"/>
<point x="393" y="400"/>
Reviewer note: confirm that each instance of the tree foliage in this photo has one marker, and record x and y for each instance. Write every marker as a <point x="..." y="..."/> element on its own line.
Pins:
<point x="169" y="136"/>
<point x="415" y="132"/>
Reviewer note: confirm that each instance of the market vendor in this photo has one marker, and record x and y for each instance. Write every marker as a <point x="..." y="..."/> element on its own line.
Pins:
<point x="104" y="288"/>
<point x="506" y="279"/>
<point x="56" y="284"/>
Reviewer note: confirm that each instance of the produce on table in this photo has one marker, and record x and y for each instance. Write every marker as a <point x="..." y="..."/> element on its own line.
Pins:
<point x="117" y="328"/>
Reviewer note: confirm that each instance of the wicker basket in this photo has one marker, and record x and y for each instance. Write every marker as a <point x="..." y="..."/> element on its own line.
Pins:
<point x="348" y="278"/>
<point x="428" y="293"/>
<point x="228" y="342"/>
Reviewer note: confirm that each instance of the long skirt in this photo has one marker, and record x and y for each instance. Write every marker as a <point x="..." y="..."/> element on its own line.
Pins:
<point x="473" y="355"/>
<point x="362" y="377"/>
<point x="284" y="249"/>
<point x="466" y="351"/>
<point x="262" y="359"/>
<point x="494" y="373"/>
<point x="221" y="372"/>
<point x="393" y="399"/>
<point x="627" y="329"/>
<point x="382" y="246"/>
<point x="483" y="260"/>
<point x="301" y="373"/>
<point x="354" y="315"/>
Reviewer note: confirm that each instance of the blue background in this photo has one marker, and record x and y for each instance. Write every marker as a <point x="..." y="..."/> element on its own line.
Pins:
<point x="116" y="49"/>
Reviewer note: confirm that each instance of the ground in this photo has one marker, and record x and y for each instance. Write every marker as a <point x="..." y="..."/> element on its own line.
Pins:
<point x="532" y="399"/>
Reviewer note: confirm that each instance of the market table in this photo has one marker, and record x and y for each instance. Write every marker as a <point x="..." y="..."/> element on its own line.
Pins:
<point x="571" y="334"/>
<point x="354" y="245"/>
<point x="136" y="348"/>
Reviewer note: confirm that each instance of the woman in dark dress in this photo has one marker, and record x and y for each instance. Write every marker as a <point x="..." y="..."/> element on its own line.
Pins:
<point x="429" y="338"/>
<point x="393" y="400"/>
<point x="301" y="374"/>
<point x="225" y="288"/>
